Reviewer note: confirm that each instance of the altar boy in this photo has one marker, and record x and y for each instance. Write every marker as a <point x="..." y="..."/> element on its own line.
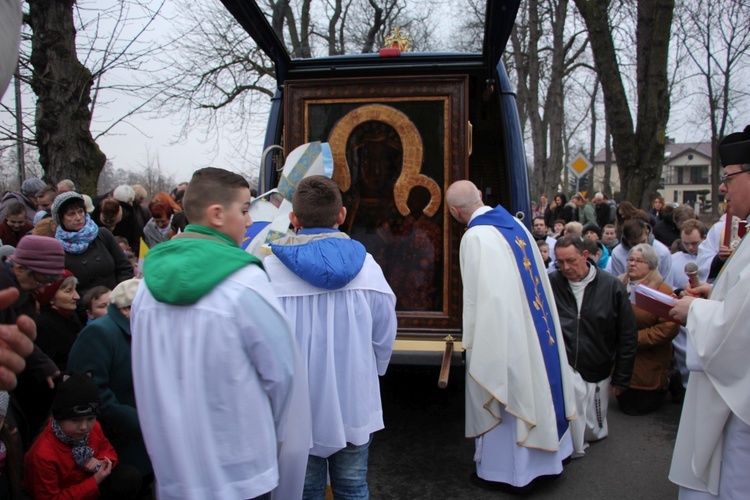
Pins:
<point x="343" y="315"/>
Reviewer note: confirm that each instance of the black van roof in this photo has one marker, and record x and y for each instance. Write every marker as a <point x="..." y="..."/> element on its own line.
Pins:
<point x="499" y="20"/>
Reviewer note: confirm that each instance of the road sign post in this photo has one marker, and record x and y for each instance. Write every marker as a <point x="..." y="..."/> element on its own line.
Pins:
<point x="578" y="167"/>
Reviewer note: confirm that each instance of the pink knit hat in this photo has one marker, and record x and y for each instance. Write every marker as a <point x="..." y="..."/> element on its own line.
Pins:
<point x="41" y="254"/>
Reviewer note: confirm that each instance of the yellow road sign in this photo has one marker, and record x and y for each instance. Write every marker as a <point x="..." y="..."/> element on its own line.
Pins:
<point x="579" y="166"/>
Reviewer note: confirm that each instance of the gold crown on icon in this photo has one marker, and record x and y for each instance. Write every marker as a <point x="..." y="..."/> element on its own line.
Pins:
<point x="398" y="39"/>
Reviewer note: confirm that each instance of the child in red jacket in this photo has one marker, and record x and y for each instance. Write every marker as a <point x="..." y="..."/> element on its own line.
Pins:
<point x="72" y="458"/>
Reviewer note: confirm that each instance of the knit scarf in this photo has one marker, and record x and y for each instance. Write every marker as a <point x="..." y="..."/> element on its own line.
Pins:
<point x="76" y="242"/>
<point x="80" y="447"/>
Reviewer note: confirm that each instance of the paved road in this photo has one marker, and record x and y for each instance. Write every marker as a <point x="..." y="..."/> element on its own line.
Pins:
<point x="422" y="453"/>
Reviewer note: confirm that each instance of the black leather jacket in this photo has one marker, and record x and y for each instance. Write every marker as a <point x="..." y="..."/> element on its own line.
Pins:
<point x="605" y="333"/>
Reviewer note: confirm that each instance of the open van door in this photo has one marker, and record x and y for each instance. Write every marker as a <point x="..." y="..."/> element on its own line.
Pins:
<point x="402" y="127"/>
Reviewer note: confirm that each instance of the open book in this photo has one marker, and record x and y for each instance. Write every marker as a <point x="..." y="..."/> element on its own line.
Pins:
<point x="653" y="301"/>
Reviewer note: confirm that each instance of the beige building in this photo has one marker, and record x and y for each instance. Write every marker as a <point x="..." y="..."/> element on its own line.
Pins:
<point x="686" y="172"/>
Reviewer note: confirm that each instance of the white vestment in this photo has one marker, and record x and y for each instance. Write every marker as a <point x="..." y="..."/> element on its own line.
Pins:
<point x="708" y="440"/>
<point x="345" y="337"/>
<point x="499" y="459"/>
<point x="591" y="424"/>
<point x="213" y="384"/>
<point x="504" y="363"/>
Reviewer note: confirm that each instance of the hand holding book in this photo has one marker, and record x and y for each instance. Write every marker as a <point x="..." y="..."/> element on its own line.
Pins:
<point x="657" y="303"/>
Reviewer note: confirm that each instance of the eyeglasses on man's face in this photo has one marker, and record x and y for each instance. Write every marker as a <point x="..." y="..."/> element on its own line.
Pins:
<point x="726" y="177"/>
<point x="43" y="280"/>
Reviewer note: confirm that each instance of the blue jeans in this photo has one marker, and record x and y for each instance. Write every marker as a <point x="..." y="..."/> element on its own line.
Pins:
<point x="347" y="469"/>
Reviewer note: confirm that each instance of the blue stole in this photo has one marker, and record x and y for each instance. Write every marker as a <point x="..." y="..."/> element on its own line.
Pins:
<point x="538" y="305"/>
<point x="252" y="232"/>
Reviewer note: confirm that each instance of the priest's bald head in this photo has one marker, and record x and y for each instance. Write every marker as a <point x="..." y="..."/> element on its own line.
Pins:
<point x="734" y="151"/>
<point x="463" y="198"/>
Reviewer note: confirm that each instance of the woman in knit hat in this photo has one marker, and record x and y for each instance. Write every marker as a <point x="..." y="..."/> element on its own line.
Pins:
<point x="57" y="324"/>
<point x="72" y="458"/>
<point x="91" y="252"/>
<point x="57" y="327"/>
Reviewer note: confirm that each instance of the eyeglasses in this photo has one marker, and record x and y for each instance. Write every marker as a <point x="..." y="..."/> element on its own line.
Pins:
<point x="631" y="260"/>
<point x="725" y="178"/>
<point x="42" y="280"/>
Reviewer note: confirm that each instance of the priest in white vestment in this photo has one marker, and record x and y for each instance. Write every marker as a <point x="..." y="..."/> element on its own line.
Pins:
<point x="519" y="396"/>
<point x="713" y="442"/>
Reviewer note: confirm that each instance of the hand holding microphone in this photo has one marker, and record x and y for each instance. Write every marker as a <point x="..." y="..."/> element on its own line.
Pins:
<point x="694" y="287"/>
<point x="691" y="269"/>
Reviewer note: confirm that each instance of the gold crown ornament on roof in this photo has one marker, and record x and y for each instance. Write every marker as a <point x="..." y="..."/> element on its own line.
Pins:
<point x="398" y="39"/>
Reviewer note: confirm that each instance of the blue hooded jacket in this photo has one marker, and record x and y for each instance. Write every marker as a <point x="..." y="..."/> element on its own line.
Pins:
<point x="324" y="257"/>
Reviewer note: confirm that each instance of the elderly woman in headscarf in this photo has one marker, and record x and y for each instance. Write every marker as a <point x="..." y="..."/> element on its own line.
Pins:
<point x="654" y="355"/>
<point x="57" y="327"/>
<point x="91" y="252"/>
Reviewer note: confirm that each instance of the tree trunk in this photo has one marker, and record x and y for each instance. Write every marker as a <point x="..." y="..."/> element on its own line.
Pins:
<point x="592" y="136"/>
<point x="553" y="106"/>
<point x="545" y="120"/>
<point x="639" y="150"/>
<point x="63" y="86"/>
<point x="607" y="186"/>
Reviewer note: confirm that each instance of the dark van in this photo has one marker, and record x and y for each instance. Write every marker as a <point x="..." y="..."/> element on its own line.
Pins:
<point x="402" y="127"/>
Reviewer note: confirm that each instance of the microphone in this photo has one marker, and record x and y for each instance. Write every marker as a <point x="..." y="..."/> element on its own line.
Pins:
<point x="691" y="269"/>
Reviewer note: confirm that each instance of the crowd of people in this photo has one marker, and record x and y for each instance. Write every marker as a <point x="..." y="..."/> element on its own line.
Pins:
<point x="303" y="337"/>
<point x="308" y="332"/>
<point x="72" y="426"/>
<point x="69" y="262"/>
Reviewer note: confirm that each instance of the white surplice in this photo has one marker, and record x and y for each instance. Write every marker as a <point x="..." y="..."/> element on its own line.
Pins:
<point x="214" y="384"/>
<point x="713" y="441"/>
<point x="345" y="338"/>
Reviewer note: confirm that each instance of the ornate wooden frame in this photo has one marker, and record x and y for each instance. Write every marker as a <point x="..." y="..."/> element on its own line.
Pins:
<point x="378" y="100"/>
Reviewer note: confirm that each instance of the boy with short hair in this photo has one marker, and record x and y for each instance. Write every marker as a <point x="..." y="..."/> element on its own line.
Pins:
<point x="15" y="226"/>
<point x="212" y="353"/>
<point x="609" y="237"/>
<point x="95" y="301"/>
<point x="544" y="250"/>
<point x="343" y="314"/>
